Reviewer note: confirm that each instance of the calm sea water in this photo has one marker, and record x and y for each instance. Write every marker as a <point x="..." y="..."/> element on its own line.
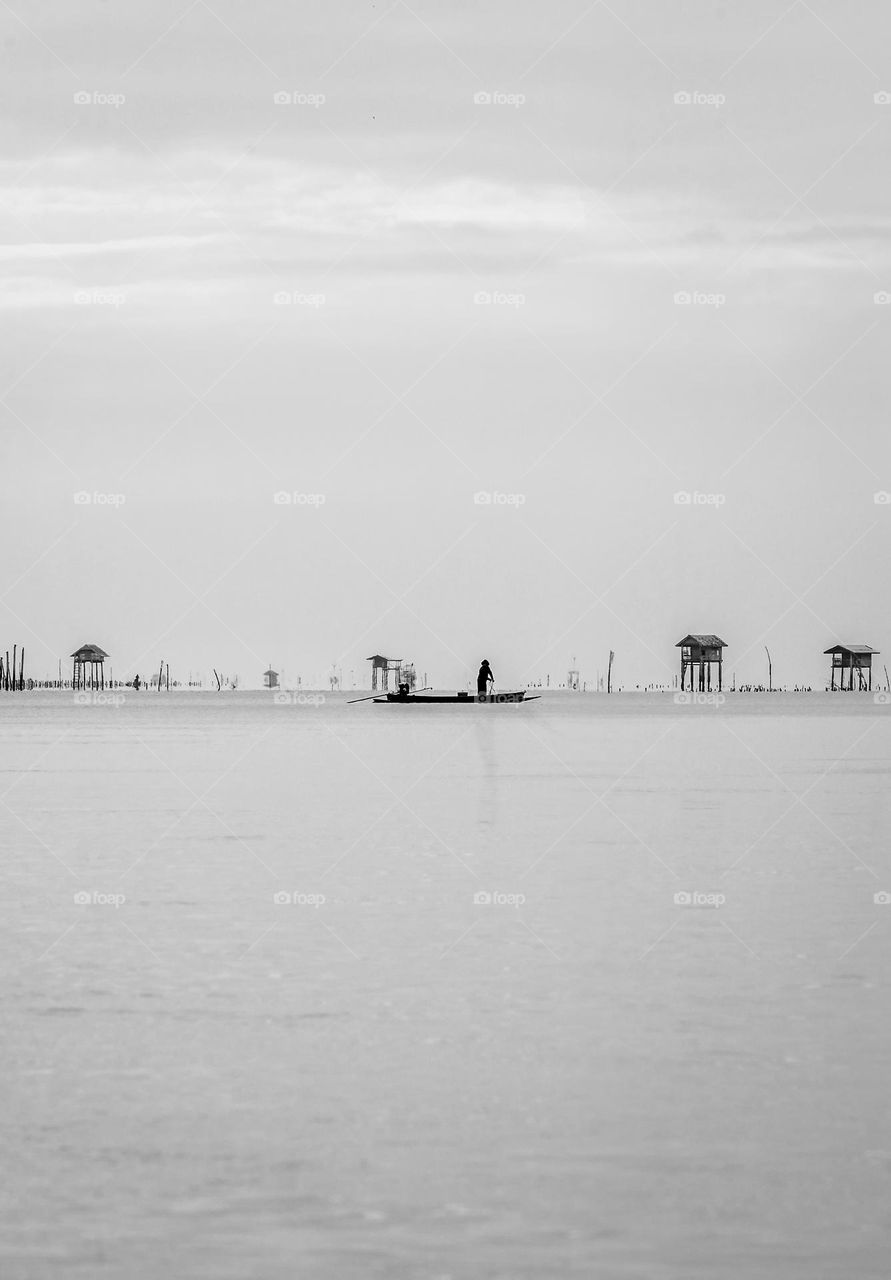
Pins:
<point x="577" y="1076"/>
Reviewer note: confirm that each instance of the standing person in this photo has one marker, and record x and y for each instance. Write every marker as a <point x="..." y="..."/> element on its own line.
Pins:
<point x="484" y="678"/>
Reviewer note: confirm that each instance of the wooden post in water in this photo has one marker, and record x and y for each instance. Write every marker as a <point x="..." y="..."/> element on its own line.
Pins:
<point x="160" y="675"/>
<point x="22" y="670"/>
<point x="609" y="672"/>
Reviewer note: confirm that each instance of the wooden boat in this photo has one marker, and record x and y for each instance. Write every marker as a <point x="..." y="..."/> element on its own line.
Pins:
<point x="456" y="699"/>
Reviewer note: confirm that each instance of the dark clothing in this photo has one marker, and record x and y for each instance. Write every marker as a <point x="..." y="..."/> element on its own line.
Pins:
<point x="483" y="677"/>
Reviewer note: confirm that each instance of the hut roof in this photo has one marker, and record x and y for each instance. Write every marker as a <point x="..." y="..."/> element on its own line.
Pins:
<point x="711" y="642"/>
<point x="270" y="672"/>
<point x="90" y="651"/>
<point x="379" y="657"/>
<point x="851" y="648"/>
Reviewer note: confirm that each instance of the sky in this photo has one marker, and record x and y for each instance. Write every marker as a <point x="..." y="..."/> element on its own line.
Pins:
<point x="444" y="331"/>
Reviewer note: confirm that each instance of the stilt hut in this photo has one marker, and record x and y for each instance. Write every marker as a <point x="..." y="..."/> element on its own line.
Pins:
<point x="270" y="679"/>
<point x="850" y="661"/>
<point x="380" y="671"/>
<point x="701" y="652"/>
<point x="88" y="671"/>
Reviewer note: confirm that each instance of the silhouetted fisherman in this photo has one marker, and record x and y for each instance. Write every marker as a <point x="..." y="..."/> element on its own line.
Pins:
<point x="484" y="678"/>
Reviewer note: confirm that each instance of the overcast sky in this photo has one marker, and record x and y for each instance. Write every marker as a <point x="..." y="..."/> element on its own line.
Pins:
<point x="211" y="296"/>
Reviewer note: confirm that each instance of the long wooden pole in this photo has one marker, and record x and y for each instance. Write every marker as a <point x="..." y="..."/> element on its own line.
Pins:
<point x="378" y="694"/>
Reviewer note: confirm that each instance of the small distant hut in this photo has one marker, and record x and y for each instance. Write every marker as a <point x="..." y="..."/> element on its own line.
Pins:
<point x="89" y="669"/>
<point x="848" y="659"/>
<point x="381" y="668"/>
<point x="702" y="652"/>
<point x="270" y="679"/>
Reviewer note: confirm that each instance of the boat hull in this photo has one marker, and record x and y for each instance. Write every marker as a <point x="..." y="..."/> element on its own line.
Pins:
<point x="450" y="699"/>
